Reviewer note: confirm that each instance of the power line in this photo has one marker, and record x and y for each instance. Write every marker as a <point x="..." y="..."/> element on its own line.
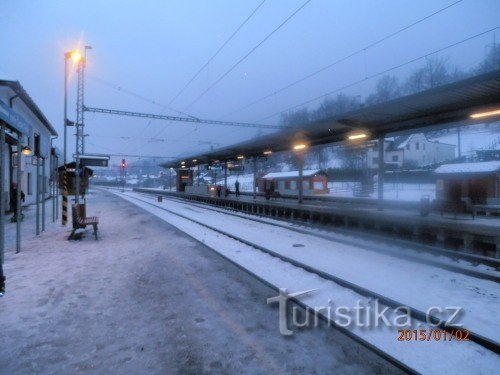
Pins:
<point x="361" y="50"/>
<point x="205" y="65"/>
<point x="379" y="73"/>
<point x="247" y="54"/>
<point x="216" y="53"/>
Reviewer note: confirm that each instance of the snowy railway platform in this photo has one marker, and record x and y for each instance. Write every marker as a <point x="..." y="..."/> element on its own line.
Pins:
<point x="147" y="298"/>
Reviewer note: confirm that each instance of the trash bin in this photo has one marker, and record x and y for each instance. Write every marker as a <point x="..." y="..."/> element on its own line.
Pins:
<point x="160" y="198"/>
<point x="425" y="205"/>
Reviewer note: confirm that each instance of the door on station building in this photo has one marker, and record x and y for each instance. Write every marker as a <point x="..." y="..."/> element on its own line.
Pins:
<point x="478" y="190"/>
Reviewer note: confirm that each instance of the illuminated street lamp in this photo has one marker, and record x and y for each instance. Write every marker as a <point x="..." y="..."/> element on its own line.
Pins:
<point x="357" y="136"/>
<point x="74" y="56"/>
<point x="26" y="151"/>
<point x="300" y="146"/>
<point x="485" y="114"/>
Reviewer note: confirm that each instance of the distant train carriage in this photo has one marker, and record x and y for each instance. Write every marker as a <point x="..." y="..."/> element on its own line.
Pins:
<point x="313" y="181"/>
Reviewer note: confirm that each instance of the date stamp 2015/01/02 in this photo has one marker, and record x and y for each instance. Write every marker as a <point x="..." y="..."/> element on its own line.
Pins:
<point x="433" y="335"/>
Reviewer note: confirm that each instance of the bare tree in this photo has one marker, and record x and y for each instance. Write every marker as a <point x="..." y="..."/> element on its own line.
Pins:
<point x="491" y="60"/>
<point x="387" y="88"/>
<point x="435" y="72"/>
<point x="295" y="118"/>
<point x="333" y="106"/>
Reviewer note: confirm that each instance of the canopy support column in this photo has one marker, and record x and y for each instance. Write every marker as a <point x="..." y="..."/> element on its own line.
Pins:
<point x="300" y="164"/>
<point x="255" y="177"/>
<point x="380" y="180"/>
<point x="225" y="175"/>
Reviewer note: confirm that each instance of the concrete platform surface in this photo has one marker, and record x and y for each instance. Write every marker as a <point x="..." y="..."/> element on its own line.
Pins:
<point x="146" y="298"/>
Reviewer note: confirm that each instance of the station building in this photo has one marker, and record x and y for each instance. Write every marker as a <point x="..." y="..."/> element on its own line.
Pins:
<point x="24" y="121"/>
<point x="471" y="183"/>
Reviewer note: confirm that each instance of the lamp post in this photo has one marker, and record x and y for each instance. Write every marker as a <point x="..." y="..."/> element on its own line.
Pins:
<point x="300" y="149"/>
<point x="75" y="56"/>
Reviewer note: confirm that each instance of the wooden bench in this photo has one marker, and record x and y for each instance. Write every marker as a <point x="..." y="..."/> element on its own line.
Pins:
<point x="81" y="222"/>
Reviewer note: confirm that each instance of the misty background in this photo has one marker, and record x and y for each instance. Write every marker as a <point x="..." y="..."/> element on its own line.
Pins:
<point x="276" y="62"/>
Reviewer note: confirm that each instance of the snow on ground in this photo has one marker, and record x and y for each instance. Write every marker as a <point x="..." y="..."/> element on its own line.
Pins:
<point x="426" y="357"/>
<point x="352" y="237"/>
<point x="392" y="191"/>
<point x="474" y="137"/>
<point x="381" y="273"/>
<point x="145" y="298"/>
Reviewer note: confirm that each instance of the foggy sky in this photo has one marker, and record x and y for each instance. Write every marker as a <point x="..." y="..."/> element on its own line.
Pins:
<point x="154" y="47"/>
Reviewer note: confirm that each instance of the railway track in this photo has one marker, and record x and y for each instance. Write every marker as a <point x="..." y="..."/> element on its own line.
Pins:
<point x="391" y="303"/>
<point x="392" y="246"/>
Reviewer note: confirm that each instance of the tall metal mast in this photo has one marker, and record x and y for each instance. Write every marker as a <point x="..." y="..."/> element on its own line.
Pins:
<point x="79" y="125"/>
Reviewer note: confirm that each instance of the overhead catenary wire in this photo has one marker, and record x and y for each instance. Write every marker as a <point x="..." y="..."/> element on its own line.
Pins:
<point x="216" y="53"/>
<point x="342" y="59"/>
<point x="378" y="74"/>
<point x="238" y="63"/>
<point x="204" y="66"/>
<point x="243" y="58"/>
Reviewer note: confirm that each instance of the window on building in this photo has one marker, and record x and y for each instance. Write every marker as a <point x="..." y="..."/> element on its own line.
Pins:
<point x="30" y="191"/>
<point x="37" y="145"/>
<point x="293" y="185"/>
<point x="394" y="158"/>
<point x="375" y="160"/>
<point x="281" y="185"/>
<point x="417" y="146"/>
<point x="318" y="185"/>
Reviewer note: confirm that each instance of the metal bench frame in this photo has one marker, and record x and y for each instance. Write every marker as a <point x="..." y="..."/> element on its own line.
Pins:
<point x="82" y="222"/>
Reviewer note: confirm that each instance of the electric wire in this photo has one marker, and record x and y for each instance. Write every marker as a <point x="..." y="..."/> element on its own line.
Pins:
<point x="203" y="67"/>
<point x="378" y="74"/>
<point x="336" y="62"/>
<point x="216" y="53"/>
<point x="237" y="63"/>
<point x="246" y="55"/>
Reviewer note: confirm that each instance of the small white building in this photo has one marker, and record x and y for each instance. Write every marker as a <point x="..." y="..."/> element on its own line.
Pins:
<point x="22" y="118"/>
<point x="414" y="150"/>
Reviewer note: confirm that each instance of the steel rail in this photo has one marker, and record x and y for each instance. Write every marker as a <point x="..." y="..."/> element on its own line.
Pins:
<point x="414" y="313"/>
<point x="495" y="263"/>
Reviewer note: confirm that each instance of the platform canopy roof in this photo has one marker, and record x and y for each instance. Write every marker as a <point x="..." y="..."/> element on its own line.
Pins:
<point x="435" y="107"/>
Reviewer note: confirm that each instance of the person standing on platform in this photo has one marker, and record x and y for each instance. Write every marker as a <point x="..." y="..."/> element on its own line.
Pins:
<point x="237" y="188"/>
<point x="13" y="200"/>
<point x="218" y="190"/>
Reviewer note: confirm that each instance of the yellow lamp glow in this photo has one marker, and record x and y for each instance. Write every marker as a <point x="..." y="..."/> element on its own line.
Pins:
<point x="75" y="55"/>
<point x="357" y="136"/>
<point x="300" y="146"/>
<point x="485" y="114"/>
<point x="26" y="150"/>
<point x="240" y="157"/>
<point x="267" y="152"/>
<point x="194" y="160"/>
